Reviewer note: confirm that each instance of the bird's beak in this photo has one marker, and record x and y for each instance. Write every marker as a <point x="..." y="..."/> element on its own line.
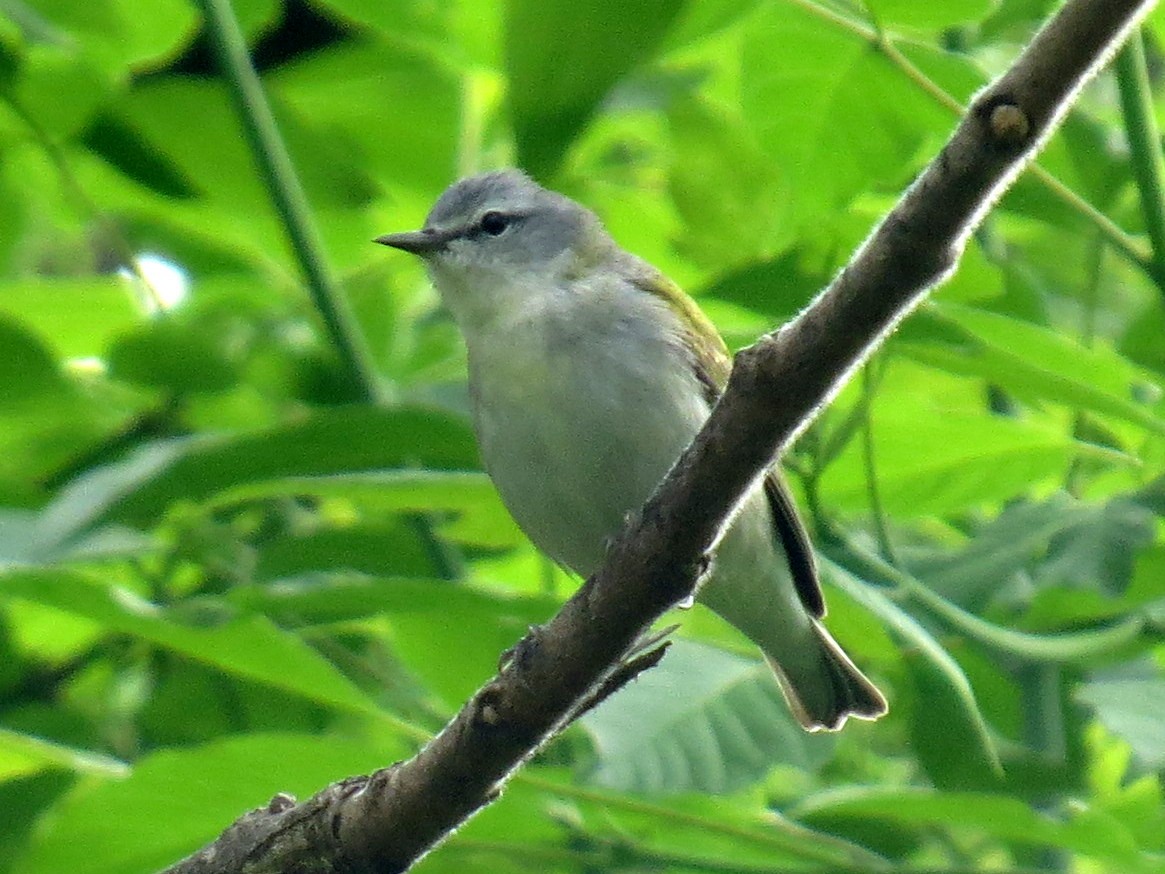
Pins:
<point x="420" y="242"/>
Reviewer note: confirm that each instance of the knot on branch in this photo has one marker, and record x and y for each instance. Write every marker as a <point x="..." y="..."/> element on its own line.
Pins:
<point x="1008" y="127"/>
<point x="280" y="802"/>
<point x="751" y="366"/>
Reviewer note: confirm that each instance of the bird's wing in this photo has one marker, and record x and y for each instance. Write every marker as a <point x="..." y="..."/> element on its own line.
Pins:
<point x="795" y="540"/>
<point x="712" y="365"/>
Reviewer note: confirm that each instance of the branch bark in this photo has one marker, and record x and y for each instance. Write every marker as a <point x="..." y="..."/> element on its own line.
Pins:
<point x="385" y="822"/>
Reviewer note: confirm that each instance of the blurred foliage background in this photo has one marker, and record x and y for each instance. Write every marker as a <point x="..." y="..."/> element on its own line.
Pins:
<point x="245" y="543"/>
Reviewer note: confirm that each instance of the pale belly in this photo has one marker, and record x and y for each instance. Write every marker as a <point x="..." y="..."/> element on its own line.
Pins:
<point x="574" y="439"/>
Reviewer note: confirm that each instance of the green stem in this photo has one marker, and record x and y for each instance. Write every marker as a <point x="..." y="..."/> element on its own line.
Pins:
<point x="290" y="201"/>
<point x="1044" y="732"/>
<point x="873" y="493"/>
<point x="1136" y="97"/>
<point x="1069" y="646"/>
<point x="447" y="560"/>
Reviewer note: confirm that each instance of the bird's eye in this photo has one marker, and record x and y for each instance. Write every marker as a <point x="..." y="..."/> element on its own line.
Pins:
<point x="494" y="223"/>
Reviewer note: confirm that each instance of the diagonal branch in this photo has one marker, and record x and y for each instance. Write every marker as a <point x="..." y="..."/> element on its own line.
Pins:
<point x="385" y="822"/>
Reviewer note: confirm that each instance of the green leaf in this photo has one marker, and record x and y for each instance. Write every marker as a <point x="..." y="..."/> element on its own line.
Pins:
<point x="936" y="736"/>
<point x="76" y="316"/>
<point x="138" y="490"/>
<point x="698" y="21"/>
<point x="1007" y="546"/>
<point x="59" y="89"/>
<point x="115" y="33"/>
<point x="22" y="754"/>
<point x="929" y="15"/>
<point x="856" y="108"/>
<point x="29" y="375"/>
<point x="468" y="628"/>
<point x="563" y="58"/>
<point x="481" y="519"/>
<point x="24" y="802"/>
<point x="141" y="824"/>
<point x="114" y="140"/>
<point x="1134" y="800"/>
<point x="1036" y="363"/>
<point x="217" y="162"/>
<point x="957" y="74"/>
<point x="331" y="96"/>
<point x="1099" y="552"/>
<point x="996" y="816"/>
<point x="248" y="646"/>
<point x="724" y="187"/>
<point x="718" y="723"/>
<point x="174" y="357"/>
<point x="778" y="287"/>
<point x="689" y="832"/>
<point x="1131" y="708"/>
<point x="459" y="34"/>
<point x="1068" y="646"/>
<point x="931" y="461"/>
<point x="46" y="419"/>
<point x="379" y="546"/>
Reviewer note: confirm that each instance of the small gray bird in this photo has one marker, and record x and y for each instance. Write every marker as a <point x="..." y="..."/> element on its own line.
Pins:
<point x="589" y="373"/>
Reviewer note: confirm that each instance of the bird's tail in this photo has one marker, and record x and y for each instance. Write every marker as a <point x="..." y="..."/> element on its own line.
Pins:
<point x="824" y="699"/>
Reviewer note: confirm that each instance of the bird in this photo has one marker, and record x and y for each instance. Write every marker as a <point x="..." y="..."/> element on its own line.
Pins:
<point x="589" y="372"/>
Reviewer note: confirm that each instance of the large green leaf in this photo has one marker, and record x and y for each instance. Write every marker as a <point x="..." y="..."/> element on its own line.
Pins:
<point x="141" y="824"/>
<point x="934" y="461"/>
<point x="563" y="58"/>
<point x="136" y="491"/>
<point x="77" y="317"/>
<point x="929" y="15"/>
<point x="338" y="95"/>
<point x="466" y="628"/>
<point x="114" y="33"/>
<point x="718" y="722"/>
<point x="1131" y="708"/>
<point x="812" y="88"/>
<point x="1006" y="547"/>
<point x="722" y="185"/>
<point x="480" y="519"/>
<point x="247" y="646"/>
<point x="1037" y="363"/>
<point x="689" y="832"/>
<point x="46" y="419"/>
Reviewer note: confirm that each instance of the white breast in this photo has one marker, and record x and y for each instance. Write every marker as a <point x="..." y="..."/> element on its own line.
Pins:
<point x="581" y="406"/>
